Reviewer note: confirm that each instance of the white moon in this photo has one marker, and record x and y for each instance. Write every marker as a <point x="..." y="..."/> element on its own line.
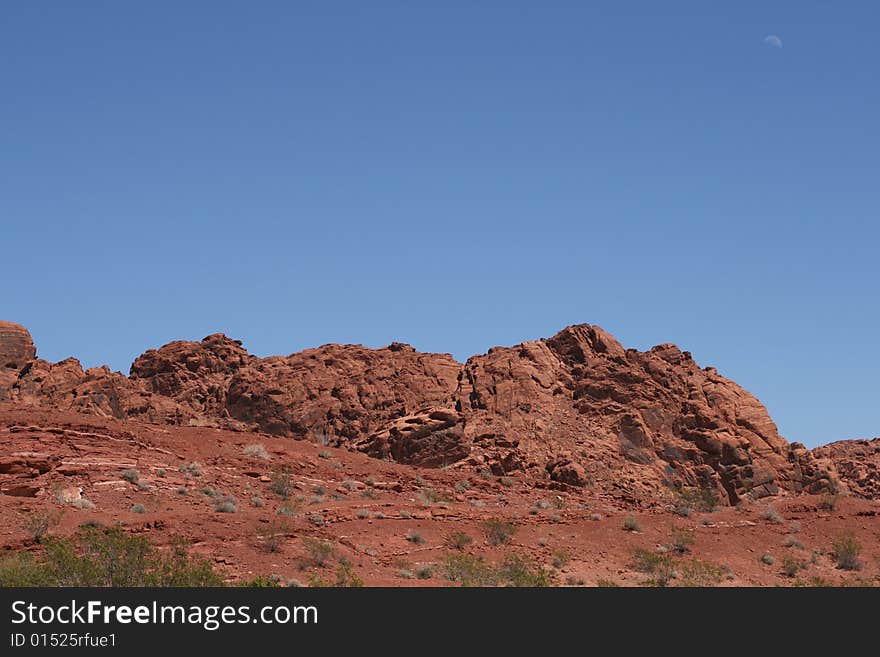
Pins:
<point x="773" y="40"/>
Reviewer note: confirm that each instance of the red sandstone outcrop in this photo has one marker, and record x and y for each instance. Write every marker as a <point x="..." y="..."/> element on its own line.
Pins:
<point x="857" y="463"/>
<point x="573" y="410"/>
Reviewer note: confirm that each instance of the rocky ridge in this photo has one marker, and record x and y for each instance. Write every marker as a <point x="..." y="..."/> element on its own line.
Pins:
<point x="571" y="411"/>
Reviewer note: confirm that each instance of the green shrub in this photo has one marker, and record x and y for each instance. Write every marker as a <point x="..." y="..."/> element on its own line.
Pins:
<point x="138" y="508"/>
<point x="458" y="540"/>
<point x="281" y="484"/>
<point x="768" y="559"/>
<point x="37" y="523"/>
<point x="226" y="504"/>
<point x="468" y="570"/>
<point x="256" y="452"/>
<point x="630" y="524"/>
<point x="697" y="573"/>
<point x="318" y="550"/>
<point x="415" y="537"/>
<point x="107" y="556"/>
<point x="696" y="499"/>
<point x="560" y="558"/>
<point x="772" y="515"/>
<point x="661" y="566"/>
<point x="516" y="570"/>
<point x="498" y="532"/>
<point x="191" y="469"/>
<point x="131" y="476"/>
<point x="682" y="540"/>
<point x="846" y="550"/>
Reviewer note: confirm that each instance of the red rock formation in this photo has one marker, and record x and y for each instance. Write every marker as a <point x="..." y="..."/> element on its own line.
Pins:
<point x="857" y="463"/>
<point x="573" y="410"/>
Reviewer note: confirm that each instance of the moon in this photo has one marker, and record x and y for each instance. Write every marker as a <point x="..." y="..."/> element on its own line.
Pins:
<point x="773" y="40"/>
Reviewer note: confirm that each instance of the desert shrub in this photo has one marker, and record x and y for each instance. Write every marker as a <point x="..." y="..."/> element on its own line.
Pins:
<point x="182" y="490"/>
<point x="697" y="573"/>
<point x="661" y="566"/>
<point x="768" y="559"/>
<point x="257" y="452"/>
<point x="281" y="484"/>
<point x="791" y="566"/>
<point x="517" y="570"/>
<point x="364" y="514"/>
<point x="603" y="583"/>
<point x="771" y="515"/>
<point x="846" y="550"/>
<point x="431" y="496"/>
<point x="191" y="469"/>
<point x="415" y="537"/>
<point x="261" y="582"/>
<point x="595" y="516"/>
<point x="829" y="502"/>
<point x="107" y="556"/>
<point x="463" y="486"/>
<point x="38" y="523"/>
<point x="695" y="499"/>
<point x="791" y="541"/>
<point x="325" y="454"/>
<point x="682" y="540"/>
<point x="630" y="524"/>
<point x="316" y="519"/>
<point x="498" y="532"/>
<point x="406" y="573"/>
<point x="160" y="472"/>
<point x="207" y="491"/>
<point x="507" y="481"/>
<point x="138" y="508"/>
<point x="226" y="504"/>
<point x="458" y="540"/>
<point x="468" y="570"/>
<point x="346" y="577"/>
<point x="273" y="535"/>
<point x="425" y="572"/>
<point x="257" y="501"/>
<point x="131" y="476"/>
<point x="350" y="484"/>
<point x="82" y="503"/>
<point x="319" y="551"/>
<point x="369" y="494"/>
<point x="560" y="558"/>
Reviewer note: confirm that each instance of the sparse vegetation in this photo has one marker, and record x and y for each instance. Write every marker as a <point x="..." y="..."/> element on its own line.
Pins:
<point x="364" y="514"/>
<point x="138" y="508"/>
<point x="273" y="535"/>
<point x="791" y="541"/>
<point x="256" y="451"/>
<point x="38" y="523"/>
<point x="319" y="551"/>
<point x="458" y="540"/>
<point x="257" y="501"/>
<point x="846" y="550"/>
<point x="431" y="496"/>
<point x="630" y="524"/>
<point x="768" y="559"/>
<point x="771" y="515"/>
<point x="226" y="504"/>
<point x="281" y="484"/>
<point x="682" y="540"/>
<point x="131" y="476"/>
<point x="695" y="499"/>
<point x="424" y="572"/>
<point x="316" y="519"/>
<point x="191" y="469"/>
<point x="514" y="570"/>
<point x="829" y="501"/>
<point x="107" y="556"/>
<point x="560" y="558"/>
<point x="415" y="537"/>
<point x="695" y="572"/>
<point x="325" y="454"/>
<point x="791" y="566"/>
<point x="82" y="503"/>
<point x="498" y="532"/>
<point x="661" y="566"/>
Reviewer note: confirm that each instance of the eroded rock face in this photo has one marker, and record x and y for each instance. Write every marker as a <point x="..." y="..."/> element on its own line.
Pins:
<point x="16" y="346"/>
<point x="857" y="463"/>
<point x="573" y="410"/>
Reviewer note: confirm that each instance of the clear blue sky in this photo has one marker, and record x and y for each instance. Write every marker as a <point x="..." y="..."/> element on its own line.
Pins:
<point x="455" y="175"/>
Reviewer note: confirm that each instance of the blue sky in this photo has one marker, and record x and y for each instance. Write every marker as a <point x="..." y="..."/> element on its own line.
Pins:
<point x="455" y="175"/>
